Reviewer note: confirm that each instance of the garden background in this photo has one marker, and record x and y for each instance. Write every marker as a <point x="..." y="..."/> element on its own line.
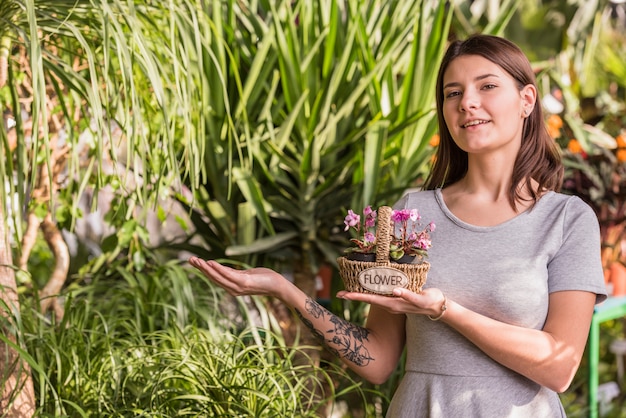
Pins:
<point x="137" y="133"/>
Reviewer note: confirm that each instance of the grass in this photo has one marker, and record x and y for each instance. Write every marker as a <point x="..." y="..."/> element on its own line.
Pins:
<point x="156" y="344"/>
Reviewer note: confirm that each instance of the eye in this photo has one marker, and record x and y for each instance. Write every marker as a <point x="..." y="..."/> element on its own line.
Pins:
<point x="452" y="94"/>
<point x="489" y="86"/>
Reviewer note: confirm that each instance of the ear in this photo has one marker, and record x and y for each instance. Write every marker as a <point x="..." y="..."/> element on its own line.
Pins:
<point x="528" y="95"/>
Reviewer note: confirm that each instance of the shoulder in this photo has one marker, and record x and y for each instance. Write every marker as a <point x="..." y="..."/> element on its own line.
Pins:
<point x="415" y="198"/>
<point x="570" y="205"/>
<point x="570" y="211"/>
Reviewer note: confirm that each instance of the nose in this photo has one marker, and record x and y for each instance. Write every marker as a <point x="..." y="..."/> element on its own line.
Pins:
<point x="469" y="101"/>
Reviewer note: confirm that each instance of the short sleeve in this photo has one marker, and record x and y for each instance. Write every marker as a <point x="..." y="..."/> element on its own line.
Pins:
<point x="577" y="264"/>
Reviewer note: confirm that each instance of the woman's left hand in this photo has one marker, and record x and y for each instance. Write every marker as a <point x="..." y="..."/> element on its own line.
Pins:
<point x="403" y="301"/>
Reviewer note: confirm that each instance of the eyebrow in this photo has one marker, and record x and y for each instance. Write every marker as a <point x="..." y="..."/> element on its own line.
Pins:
<point x="480" y="77"/>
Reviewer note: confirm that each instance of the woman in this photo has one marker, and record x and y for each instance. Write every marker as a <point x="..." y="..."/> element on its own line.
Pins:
<point x="501" y="325"/>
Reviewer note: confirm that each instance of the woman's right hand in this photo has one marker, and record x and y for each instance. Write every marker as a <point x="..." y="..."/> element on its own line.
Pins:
<point x="254" y="281"/>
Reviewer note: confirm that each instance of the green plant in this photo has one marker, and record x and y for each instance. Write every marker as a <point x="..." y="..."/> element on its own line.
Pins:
<point x="343" y="118"/>
<point x="158" y="342"/>
<point x="591" y="127"/>
<point x="365" y="241"/>
<point x="598" y="176"/>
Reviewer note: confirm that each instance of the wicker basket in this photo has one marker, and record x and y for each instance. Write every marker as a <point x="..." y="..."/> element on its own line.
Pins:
<point x="382" y="276"/>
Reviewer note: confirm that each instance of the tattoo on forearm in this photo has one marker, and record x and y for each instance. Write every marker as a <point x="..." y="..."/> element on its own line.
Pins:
<point x="348" y="340"/>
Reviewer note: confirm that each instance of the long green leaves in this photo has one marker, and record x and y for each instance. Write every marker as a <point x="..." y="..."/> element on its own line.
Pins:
<point x="134" y="344"/>
<point x="319" y="127"/>
<point x="291" y="107"/>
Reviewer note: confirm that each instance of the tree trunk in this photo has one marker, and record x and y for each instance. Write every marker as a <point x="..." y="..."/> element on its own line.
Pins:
<point x="48" y="295"/>
<point x="18" y="395"/>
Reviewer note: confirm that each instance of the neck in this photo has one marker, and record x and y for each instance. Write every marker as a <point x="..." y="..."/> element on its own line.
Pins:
<point x="492" y="187"/>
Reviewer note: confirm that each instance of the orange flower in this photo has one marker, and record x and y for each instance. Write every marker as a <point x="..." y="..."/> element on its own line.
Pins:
<point x="553" y="132"/>
<point x="621" y="141"/>
<point x="554" y="125"/>
<point x="555" y="121"/>
<point x="621" y="155"/>
<point x="574" y="146"/>
<point x="434" y="141"/>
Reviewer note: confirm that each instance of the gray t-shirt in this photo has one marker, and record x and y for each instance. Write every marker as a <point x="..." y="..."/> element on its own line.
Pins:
<point x="505" y="272"/>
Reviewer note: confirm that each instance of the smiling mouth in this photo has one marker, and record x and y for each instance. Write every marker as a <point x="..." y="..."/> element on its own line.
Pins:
<point x="474" y="123"/>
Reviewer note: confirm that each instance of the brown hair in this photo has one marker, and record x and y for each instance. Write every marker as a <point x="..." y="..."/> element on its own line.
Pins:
<point x="538" y="158"/>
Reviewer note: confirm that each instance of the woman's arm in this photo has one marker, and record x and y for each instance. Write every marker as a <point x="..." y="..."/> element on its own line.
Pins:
<point x="372" y="351"/>
<point x="549" y="357"/>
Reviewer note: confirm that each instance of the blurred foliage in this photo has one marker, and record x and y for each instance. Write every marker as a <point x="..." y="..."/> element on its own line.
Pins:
<point x="585" y="96"/>
<point x="277" y="116"/>
<point x="159" y="342"/>
<point x="322" y="104"/>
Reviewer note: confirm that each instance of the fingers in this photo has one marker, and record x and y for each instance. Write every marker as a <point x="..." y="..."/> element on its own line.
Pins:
<point x="254" y="281"/>
<point x="212" y="268"/>
<point x="218" y="274"/>
<point x="372" y="297"/>
<point x="389" y="303"/>
<point x="427" y="302"/>
<point x="411" y="297"/>
<point x="403" y="301"/>
<point x="361" y="297"/>
<point x="203" y="266"/>
<point x="197" y="262"/>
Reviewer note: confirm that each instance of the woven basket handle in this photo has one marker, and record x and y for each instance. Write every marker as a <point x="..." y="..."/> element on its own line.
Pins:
<point x="383" y="234"/>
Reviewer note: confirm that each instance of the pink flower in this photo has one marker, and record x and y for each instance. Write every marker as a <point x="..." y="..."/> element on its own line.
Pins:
<point x="370" y="217"/>
<point x="352" y="220"/>
<point x="422" y="241"/>
<point x="399" y="216"/>
<point x="406" y="239"/>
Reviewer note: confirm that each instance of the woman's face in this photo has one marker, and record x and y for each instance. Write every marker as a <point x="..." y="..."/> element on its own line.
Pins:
<point x="483" y="107"/>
